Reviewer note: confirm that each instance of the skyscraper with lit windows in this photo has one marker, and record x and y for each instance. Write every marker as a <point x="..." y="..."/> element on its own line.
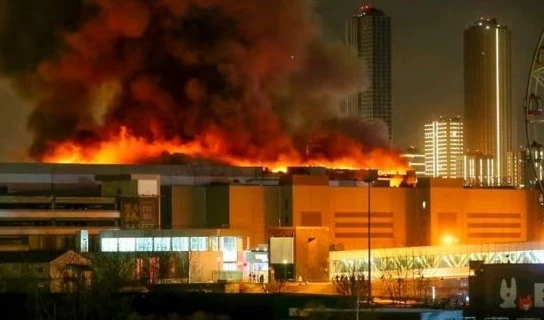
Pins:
<point x="487" y="81"/>
<point x="368" y="33"/>
<point x="444" y="148"/>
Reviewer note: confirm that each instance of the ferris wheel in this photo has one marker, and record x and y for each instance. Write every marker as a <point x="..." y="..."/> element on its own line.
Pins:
<point x="534" y="116"/>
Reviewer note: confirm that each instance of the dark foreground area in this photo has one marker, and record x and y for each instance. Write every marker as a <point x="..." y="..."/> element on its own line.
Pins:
<point x="176" y="305"/>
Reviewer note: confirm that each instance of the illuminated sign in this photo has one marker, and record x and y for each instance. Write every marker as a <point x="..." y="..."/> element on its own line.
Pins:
<point x="512" y="299"/>
<point x="383" y="173"/>
<point x="508" y="290"/>
<point x="257" y="257"/>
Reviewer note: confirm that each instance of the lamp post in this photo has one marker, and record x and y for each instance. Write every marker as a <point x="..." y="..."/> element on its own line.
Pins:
<point x="369" y="294"/>
<point x="284" y="270"/>
<point x="372" y="176"/>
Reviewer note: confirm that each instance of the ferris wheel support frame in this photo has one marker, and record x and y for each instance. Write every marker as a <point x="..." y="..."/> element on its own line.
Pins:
<point x="533" y="107"/>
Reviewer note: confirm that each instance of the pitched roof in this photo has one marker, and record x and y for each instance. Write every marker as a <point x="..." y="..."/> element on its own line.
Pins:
<point x="30" y="256"/>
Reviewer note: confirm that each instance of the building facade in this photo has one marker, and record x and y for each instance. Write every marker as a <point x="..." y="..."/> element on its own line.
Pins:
<point x="478" y="170"/>
<point x="487" y="82"/>
<point x="229" y="217"/>
<point x="521" y="170"/>
<point x="368" y="34"/>
<point x="444" y="148"/>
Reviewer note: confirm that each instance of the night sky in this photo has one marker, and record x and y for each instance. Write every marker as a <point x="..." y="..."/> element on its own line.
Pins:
<point x="427" y="52"/>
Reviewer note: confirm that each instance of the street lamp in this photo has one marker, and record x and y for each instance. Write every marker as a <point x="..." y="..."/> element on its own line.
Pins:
<point x="284" y="270"/>
<point x="372" y="176"/>
<point x="448" y="239"/>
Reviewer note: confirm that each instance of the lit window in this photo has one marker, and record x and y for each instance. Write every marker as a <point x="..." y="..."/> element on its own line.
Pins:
<point x="229" y="246"/>
<point x="109" y="244"/>
<point x="229" y="267"/>
<point x="144" y="244"/>
<point x="199" y="243"/>
<point x="161" y="244"/>
<point x="127" y="244"/>
<point x="180" y="244"/>
<point x="214" y="244"/>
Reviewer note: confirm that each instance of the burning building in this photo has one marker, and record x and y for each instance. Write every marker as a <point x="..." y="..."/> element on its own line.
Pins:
<point x="230" y="82"/>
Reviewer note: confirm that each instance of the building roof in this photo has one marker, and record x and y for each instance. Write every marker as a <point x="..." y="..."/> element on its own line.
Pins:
<point x="368" y="10"/>
<point x="487" y="23"/>
<point x="127" y="169"/>
<point x="30" y="256"/>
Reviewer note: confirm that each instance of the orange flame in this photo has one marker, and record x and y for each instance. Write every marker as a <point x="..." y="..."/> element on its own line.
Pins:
<point x="125" y="148"/>
<point x="396" y="181"/>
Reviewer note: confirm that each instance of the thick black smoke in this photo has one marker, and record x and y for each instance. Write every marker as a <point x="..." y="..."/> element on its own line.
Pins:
<point x="254" y="73"/>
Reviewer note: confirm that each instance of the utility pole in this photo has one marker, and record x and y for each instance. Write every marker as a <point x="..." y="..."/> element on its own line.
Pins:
<point x="369" y="245"/>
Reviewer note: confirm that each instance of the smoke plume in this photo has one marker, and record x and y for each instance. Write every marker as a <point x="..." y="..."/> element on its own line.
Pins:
<point x="249" y="80"/>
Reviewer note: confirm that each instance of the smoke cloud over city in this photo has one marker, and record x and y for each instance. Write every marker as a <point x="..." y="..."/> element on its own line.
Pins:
<point x="242" y="82"/>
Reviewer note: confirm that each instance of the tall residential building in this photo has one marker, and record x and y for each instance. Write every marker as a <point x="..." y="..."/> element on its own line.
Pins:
<point x="444" y="148"/>
<point x="477" y="170"/>
<point x="520" y="170"/>
<point x="415" y="159"/>
<point x="488" y="111"/>
<point x="368" y="33"/>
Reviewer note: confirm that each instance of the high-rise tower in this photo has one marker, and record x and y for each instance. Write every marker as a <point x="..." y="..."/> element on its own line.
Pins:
<point x="488" y="111"/>
<point x="444" y="148"/>
<point x="368" y="33"/>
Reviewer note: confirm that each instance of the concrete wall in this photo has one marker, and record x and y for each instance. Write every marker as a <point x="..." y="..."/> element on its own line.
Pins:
<point x="475" y="216"/>
<point x="188" y="207"/>
<point x="399" y="216"/>
<point x="345" y="211"/>
<point x="203" y="265"/>
<point x="311" y="254"/>
<point x="252" y="211"/>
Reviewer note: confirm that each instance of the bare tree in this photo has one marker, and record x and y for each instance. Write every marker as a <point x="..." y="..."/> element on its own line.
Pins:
<point x="32" y="281"/>
<point x="404" y="277"/>
<point x="394" y="275"/>
<point x="43" y="281"/>
<point x="421" y="279"/>
<point x="110" y="273"/>
<point x="352" y="284"/>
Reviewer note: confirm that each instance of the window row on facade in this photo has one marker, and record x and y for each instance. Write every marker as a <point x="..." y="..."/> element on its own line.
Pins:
<point x="227" y="245"/>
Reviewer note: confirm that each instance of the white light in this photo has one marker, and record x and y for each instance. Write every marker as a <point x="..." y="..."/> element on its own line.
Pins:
<point x="497" y="97"/>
